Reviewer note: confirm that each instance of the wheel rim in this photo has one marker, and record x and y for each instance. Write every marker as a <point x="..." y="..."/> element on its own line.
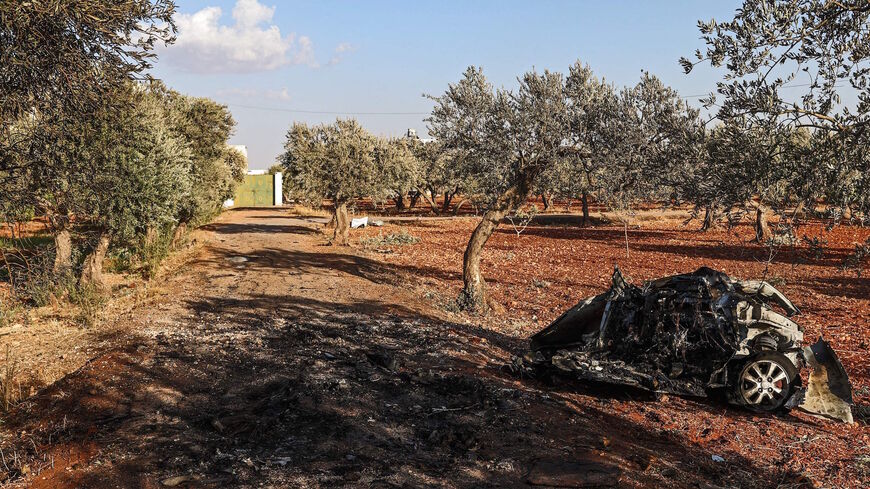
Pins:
<point x="764" y="383"/>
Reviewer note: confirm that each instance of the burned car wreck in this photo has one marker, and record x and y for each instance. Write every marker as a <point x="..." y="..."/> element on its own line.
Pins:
<point x="695" y="334"/>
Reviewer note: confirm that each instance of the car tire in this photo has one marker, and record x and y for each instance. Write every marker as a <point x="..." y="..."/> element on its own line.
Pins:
<point x="765" y="382"/>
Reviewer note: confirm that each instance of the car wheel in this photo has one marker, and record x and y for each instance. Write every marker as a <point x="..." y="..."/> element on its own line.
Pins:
<point x="766" y="382"/>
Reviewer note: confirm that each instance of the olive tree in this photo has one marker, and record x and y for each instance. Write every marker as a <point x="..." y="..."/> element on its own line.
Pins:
<point x="505" y="140"/>
<point x="821" y="47"/>
<point x="654" y="133"/>
<point x="336" y="162"/>
<point x="216" y="169"/>
<point x="50" y="156"/>
<point x="700" y="181"/>
<point x="751" y="169"/>
<point x="140" y="173"/>
<point x="439" y="174"/>
<point x="61" y="63"/>
<point x="399" y="166"/>
<point x="592" y="118"/>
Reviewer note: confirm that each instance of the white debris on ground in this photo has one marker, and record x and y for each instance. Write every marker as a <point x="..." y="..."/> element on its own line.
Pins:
<point x="359" y="222"/>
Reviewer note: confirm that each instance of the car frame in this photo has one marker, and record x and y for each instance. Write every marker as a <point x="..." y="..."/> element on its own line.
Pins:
<point x="692" y="334"/>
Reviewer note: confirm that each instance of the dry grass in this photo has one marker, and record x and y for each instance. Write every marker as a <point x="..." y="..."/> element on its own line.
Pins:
<point x="10" y="386"/>
<point x="43" y="344"/>
<point x="300" y="210"/>
<point x="646" y="215"/>
<point x="387" y="241"/>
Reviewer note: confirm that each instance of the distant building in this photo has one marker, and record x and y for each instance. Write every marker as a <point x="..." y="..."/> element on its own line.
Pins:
<point x="241" y="148"/>
<point x="412" y="134"/>
<point x="259" y="189"/>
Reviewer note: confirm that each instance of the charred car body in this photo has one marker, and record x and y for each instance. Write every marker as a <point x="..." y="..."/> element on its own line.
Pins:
<point x="691" y="334"/>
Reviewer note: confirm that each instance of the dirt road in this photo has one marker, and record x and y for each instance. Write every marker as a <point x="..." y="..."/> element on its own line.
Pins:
<point x="280" y="362"/>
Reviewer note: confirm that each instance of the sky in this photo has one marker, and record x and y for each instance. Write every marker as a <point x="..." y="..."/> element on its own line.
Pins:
<point x="275" y="62"/>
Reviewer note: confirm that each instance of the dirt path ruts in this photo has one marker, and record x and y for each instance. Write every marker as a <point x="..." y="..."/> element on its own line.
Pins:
<point x="280" y="362"/>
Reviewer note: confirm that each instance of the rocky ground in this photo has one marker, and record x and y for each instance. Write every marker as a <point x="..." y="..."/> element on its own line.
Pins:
<point x="272" y="360"/>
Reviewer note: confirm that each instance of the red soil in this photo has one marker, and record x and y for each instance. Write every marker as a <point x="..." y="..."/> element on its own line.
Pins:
<point x="534" y="277"/>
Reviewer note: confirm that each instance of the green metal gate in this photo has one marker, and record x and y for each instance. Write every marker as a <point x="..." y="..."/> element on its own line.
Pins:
<point x="256" y="191"/>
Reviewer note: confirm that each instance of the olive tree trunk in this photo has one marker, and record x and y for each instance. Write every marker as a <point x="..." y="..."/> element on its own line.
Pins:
<point x="458" y="206"/>
<point x="709" y="217"/>
<point x="92" y="270"/>
<point x="178" y="234"/>
<point x="342" y="224"/>
<point x="414" y="197"/>
<point x="798" y="211"/>
<point x="429" y="197"/>
<point x="762" y="229"/>
<point x="62" y="252"/>
<point x="62" y="244"/>
<point x="473" y="295"/>
<point x="584" y="199"/>
<point x="400" y="201"/>
<point x="448" y="198"/>
<point x="546" y="201"/>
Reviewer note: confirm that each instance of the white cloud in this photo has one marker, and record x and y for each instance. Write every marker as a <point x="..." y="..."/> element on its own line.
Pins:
<point x="340" y="51"/>
<point x="305" y="53"/>
<point x="253" y="43"/>
<point x="253" y="93"/>
<point x="250" y="13"/>
<point x="345" y="47"/>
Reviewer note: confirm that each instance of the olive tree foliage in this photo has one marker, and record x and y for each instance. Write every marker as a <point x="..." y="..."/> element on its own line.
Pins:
<point x="62" y="59"/>
<point x="752" y="170"/>
<point x="12" y="209"/>
<point x="236" y="164"/>
<point x="821" y="47"/>
<point x="592" y="116"/>
<point x="216" y="168"/>
<point x="438" y="174"/>
<point x="626" y="145"/>
<point x="73" y="52"/>
<point x="504" y="140"/>
<point x="654" y="135"/>
<point x="146" y="163"/>
<point x="138" y="176"/>
<point x="399" y="166"/>
<point x="342" y="162"/>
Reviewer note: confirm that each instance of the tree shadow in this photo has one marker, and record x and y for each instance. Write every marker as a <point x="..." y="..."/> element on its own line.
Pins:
<point x="285" y="390"/>
<point x="744" y="253"/>
<point x="851" y="287"/>
<point x="566" y="220"/>
<point x="299" y="262"/>
<point x="600" y="234"/>
<point x="235" y="228"/>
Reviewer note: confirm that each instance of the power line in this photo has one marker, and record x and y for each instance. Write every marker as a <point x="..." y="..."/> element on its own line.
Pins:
<point x="322" y="112"/>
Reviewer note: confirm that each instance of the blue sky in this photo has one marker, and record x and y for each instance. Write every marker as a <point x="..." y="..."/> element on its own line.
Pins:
<point x="264" y="57"/>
